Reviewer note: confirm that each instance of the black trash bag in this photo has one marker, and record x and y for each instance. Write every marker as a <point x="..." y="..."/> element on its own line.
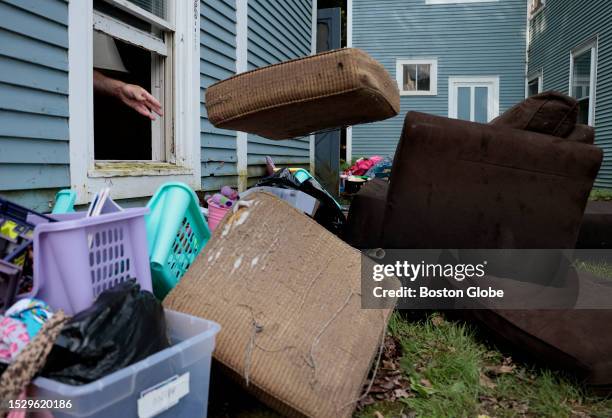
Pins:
<point x="123" y="326"/>
<point x="328" y="215"/>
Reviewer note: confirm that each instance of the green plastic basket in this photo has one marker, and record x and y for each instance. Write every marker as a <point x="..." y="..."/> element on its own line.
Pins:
<point x="64" y="201"/>
<point x="176" y="232"/>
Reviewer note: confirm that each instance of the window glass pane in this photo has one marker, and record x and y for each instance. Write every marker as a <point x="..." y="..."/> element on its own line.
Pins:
<point x="583" y="111"/>
<point x="410" y="77"/>
<point x="423" y="71"/>
<point x="463" y="103"/>
<point x="157" y="7"/>
<point x="582" y="75"/>
<point x="534" y="87"/>
<point x="481" y="99"/>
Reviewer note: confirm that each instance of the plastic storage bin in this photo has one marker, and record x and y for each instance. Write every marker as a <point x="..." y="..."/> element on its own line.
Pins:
<point x="16" y="234"/>
<point x="177" y="232"/>
<point x="180" y="375"/>
<point x="9" y="281"/>
<point x="80" y="257"/>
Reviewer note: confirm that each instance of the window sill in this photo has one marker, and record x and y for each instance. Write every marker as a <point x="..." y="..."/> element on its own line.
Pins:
<point x="418" y="93"/>
<point x="137" y="169"/>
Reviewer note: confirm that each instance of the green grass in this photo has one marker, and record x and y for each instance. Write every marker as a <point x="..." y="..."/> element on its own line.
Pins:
<point x="452" y="373"/>
<point x="601" y="195"/>
<point x="456" y="367"/>
<point x="600" y="269"/>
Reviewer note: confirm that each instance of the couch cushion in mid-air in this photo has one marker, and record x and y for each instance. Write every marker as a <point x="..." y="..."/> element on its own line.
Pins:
<point x="295" y="98"/>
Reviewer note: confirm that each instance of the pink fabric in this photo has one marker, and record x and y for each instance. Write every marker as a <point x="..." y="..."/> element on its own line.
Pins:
<point x="362" y="165"/>
<point x="13" y="338"/>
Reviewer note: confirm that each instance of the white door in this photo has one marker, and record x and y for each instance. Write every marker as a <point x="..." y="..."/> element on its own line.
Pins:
<point x="473" y="98"/>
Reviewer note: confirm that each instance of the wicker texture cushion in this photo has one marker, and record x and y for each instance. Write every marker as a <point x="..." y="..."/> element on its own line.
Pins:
<point x="295" y="98"/>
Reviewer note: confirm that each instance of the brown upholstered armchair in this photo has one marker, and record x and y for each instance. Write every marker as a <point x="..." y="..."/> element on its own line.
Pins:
<point x="521" y="181"/>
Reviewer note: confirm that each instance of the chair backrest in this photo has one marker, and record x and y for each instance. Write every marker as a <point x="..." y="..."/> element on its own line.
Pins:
<point x="458" y="184"/>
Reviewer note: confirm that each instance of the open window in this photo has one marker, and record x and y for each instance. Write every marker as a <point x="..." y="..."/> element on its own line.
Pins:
<point x="153" y="44"/>
<point x="417" y="77"/>
<point x="128" y="47"/>
<point x="583" y="81"/>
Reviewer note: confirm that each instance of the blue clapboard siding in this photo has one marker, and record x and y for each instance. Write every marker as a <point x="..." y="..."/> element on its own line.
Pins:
<point x="468" y="39"/>
<point x="217" y="62"/>
<point x="277" y="31"/>
<point x="562" y="26"/>
<point x="34" y="155"/>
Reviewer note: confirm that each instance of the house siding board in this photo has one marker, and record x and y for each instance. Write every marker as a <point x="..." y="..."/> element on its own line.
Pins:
<point x="562" y="26"/>
<point x="34" y="160"/>
<point x="217" y="62"/>
<point x="277" y="31"/>
<point x="471" y="39"/>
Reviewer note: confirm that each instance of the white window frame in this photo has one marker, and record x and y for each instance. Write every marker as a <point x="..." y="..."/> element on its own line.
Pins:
<point x="138" y="178"/>
<point x="468" y="81"/>
<point x="533" y="13"/>
<point x="433" y="76"/>
<point x="538" y="75"/>
<point x="458" y="1"/>
<point x="592" y="45"/>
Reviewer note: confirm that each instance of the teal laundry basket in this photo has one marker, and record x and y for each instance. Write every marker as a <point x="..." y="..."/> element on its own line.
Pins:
<point x="176" y="232"/>
<point x="64" y="202"/>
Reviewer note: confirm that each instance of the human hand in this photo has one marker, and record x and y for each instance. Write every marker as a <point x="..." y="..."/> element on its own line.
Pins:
<point x="140" y="100"/>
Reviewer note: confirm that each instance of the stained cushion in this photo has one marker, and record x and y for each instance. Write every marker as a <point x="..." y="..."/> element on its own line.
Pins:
<point x="458" y="184"/>
<point x="295" y="98"/>
<point x="550" y="113"/>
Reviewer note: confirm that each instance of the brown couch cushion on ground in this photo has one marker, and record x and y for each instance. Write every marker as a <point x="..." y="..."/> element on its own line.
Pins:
<point x="287" y="295"/>
<point x="298" y="97"/>
<point x="576" y="341"/>
<point x="596" y="228"/>
<point x="550" y="113"/>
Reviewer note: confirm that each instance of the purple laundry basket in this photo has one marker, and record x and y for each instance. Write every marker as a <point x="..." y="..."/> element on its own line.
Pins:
<point x="78" y="258"/>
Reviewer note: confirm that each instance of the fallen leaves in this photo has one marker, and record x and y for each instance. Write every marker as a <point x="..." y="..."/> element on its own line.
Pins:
<point x="389" y="384"/>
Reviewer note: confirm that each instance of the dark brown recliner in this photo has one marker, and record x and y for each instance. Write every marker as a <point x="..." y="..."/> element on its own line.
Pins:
<point x="458" y="184"/>
<point x="522" y="181"/>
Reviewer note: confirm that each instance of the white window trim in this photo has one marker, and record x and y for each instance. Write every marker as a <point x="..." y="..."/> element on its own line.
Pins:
<point x="433" y="76"/>
<point x="458" y="1"/>
<point x="593" y="45"/>
<point x="531" y="14"/>
<point x="492" y="81"/>
<point x="133" y="179"/>
<point x="538" y="75"/>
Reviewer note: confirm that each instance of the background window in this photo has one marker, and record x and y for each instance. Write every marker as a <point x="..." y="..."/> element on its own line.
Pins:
<point x="534" y="85"/>
<point x="582" y="81"/>
<point x="417" y="77"/>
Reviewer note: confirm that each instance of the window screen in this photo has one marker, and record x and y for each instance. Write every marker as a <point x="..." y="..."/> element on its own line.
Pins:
<point x="158" y="7"/>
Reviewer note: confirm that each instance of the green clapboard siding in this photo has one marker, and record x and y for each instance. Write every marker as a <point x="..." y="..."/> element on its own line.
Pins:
<point x="277" y="31"/>
<point x="468" y="39"/>
<point x="34" y="156"/>
<point x="561" y="27"/>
